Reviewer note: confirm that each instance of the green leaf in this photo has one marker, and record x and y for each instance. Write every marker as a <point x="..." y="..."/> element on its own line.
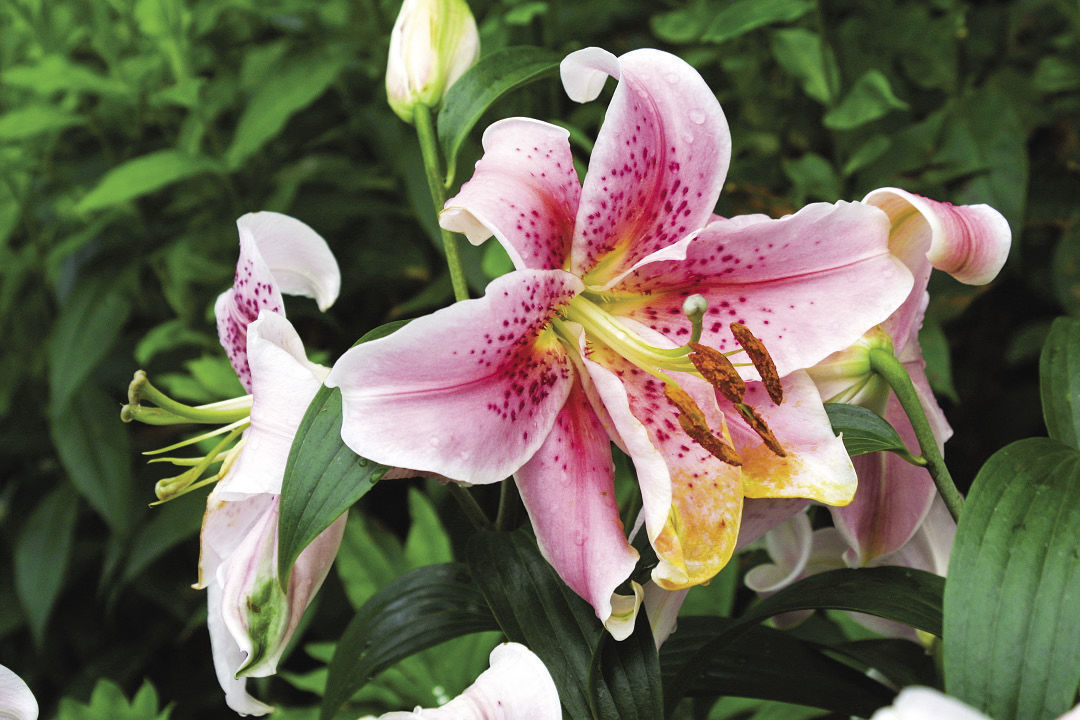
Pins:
<point x="143" y="175"/>
<point x="1053" y="75"/>
<point x="631" y="669"/>
<point x="1011" y="628"/>
<point x="89" y="323"/>
<point x="812" y="176"/>
<point x="867" y="153"/>
<point x="416" y="611"/>
<point x="864" y="430"/>
<point x="95" y="450"/>
<point x="682" y="26"/>
<point x="323" y="478"/>
<point x="168" y="525"/>
<point x="484" y="83"/>
<point x="908" y="596"/>
<point x="296" y="83"/>
<point x="1059" y="381"/>
<point x="427" y="542"/>
<point x="55" y="73"/>
<point x="109" y="703"/>
<point x="741" y="16"/>
<point x="869" y="99"/>
<point x="768" y="664"/>
<point x="42" y="554"/>
<point x="533" y="606"/>
<point x="26" y="122"/>
<point x="802" y="54"/>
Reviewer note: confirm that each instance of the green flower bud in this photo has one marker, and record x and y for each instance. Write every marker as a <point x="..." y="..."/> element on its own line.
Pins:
<point x="432" y="44"/>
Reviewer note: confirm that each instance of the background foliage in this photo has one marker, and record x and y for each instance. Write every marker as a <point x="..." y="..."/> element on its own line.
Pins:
<point x="133" y="133"/>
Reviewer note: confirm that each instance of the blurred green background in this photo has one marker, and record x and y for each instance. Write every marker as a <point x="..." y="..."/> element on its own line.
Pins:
<point x="134" y="132"/>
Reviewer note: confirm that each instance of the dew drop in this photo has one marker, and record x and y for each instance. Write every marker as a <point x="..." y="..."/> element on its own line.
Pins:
<point x="672" y="78"/>
<point x="697" y="116"/>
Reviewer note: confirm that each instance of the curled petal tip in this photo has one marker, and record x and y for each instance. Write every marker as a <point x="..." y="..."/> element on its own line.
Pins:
<point x="584" y="73"/>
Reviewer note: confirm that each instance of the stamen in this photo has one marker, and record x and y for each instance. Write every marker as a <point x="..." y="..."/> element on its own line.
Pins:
<point x="171" y="412"/>
<point x="173" y="487"/>
<point x="762" y="361"/>
<point x="718" y="371"/>
<point x="694" y="308"/>
<point x="693" y="423"/>
<point x="757" y="423"/>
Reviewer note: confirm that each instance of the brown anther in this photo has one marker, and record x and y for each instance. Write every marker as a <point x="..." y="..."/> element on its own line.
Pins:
<point x="718" y="371"/>
<point x="762" y="361"/>
<point x="761" y="428"/>
<point x="693" y="423"/>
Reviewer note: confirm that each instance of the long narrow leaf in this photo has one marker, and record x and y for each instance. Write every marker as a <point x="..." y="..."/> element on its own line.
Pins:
<point x="1011" y="625"/>
<point x="418" y="610"/>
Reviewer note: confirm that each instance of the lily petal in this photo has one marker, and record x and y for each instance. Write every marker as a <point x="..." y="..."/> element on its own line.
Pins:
<point x="696" y="534"/>
<point x="16" y="700"/>
<point x="816" y="465"/>
<point x="524" y="191"/>
<point x="435" y="394"/>
<point x="568" y="487"/>
<point x="923" y="703"/>
<point x="283" y="384"/>
<point x="278" y="254"/>
<point x="658" y="164"/>
<point x="259" y="616"/>
<point x="517" y="686"/>
<point x="228" y="657"/>
<point x="970" y="242"/>
<point x="788" y="280"/>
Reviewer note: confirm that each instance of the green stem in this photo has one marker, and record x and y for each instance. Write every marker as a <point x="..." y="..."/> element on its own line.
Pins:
<point x="429" y="148"/>
<point x="468" y="504"/>
<point x="506" y="518"/>
<point x="885" y="364"/>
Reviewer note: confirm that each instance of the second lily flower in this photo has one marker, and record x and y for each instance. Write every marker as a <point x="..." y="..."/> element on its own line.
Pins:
<point x="586" y="343"/>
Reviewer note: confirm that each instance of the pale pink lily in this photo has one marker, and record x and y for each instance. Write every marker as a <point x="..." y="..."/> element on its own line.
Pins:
<point x="578" y="346"/>
<point x="971" y="243"/>
<point x="16" y="700"/>
<point x="924" y="703"/>
<point x="517" y="686"/>
<point x="797" y="551"/>
<point x="251" y="618"/>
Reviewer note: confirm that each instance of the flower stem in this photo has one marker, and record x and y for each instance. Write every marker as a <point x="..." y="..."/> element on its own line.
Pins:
<point x="885" y="364"/>
<point x="429" y="148"/>
<point x="468" y="504"/>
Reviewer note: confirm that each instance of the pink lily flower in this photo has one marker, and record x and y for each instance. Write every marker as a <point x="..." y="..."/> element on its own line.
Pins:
<point x="16" y="700"/>
<point x="517" y="686"/>
<point x="584" y="344"/>
<point x="971" y="243"/>
<point x="250" y="618"/>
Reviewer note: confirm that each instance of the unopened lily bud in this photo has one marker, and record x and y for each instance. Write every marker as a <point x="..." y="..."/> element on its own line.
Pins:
<point x="432" y="44"/>
<point x="846" y="376"/>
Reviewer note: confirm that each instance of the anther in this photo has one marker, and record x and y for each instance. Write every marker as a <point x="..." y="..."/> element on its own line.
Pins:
<point x="759" y="426"/>
<point x="694" y="424"/>
<point x="718" y="371"/>
<point x="762" y="361"/>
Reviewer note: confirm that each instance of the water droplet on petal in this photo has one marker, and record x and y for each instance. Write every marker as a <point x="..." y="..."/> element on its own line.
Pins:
<point x="697" y="117"/>
<point x="672" y="78"/>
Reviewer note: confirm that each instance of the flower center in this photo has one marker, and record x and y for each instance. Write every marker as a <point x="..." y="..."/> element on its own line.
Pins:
<point x="692" y="358"/>
<point x="232" y="417"/>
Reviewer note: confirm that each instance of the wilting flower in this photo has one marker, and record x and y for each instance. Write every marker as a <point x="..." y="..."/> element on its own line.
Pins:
<point x="251" y="618"/>
<point x="432" y="44"/>
<point x="517" y="686"/>
<point x="797" y="551"/>
<point x="971" y="243"/>
<point x="586" y="342"/>
<point x="16" y="700"/>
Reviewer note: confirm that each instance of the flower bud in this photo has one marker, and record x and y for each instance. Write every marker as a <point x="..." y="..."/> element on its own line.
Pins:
<point x="432" y="44"/>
